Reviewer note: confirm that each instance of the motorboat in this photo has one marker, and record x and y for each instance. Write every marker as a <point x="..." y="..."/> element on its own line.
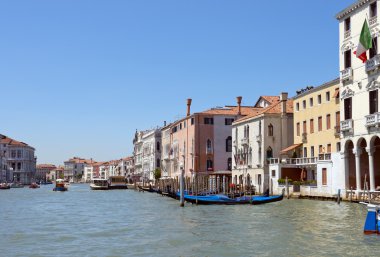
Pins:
<point x="5" y="186"/>
<point x="117" y="182"/>
<point x="34" y="185"/>
<point x="60" y="186"/>
<point x="99" y="184"/>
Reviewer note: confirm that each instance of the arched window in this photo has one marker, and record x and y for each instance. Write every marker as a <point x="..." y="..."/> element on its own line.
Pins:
<point x="158" y="146"/>
<point x="229" y="144"/>
<point x="229" y="164"/>
<point x="269" y="152"/>
<point x="270" y="130"/>
<point x="209" y="146"/>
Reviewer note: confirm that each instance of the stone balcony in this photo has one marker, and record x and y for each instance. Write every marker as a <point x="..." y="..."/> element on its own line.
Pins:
<point x="347" y="34"/>
<point x="372" y="64"/>
<point x="372" y="120"/>
<point x="372" y="21"/>
<point x="346" y="74"/>
<point x="346" y="125"/>
<point x="245" y="141"/>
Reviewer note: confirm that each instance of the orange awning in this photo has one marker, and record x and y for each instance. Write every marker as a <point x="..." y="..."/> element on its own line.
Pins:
<point x="336" y="94"/>
<point x="289" y="148"/>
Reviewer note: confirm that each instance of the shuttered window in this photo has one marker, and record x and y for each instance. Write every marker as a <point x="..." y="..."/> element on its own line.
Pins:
<point x="324" y="176"/>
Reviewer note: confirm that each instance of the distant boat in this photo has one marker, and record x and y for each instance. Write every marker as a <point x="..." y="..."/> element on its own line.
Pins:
<point x="34" y="185"/>
<point x="60" y="186"/>
<point x="147" y="189"/>
<point x="117" y="182"/>
<point x="99" y="184"/>
<point x="5" y="186"/>
<point x="17" y="185"/>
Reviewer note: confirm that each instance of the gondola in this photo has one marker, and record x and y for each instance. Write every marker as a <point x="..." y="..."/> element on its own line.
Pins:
<point x="266" y="199"/>
<point x="147" y="189"/>
<point x="216" y="199"/>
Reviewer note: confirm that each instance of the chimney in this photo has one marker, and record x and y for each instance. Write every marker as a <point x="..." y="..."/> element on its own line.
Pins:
<point x="238" y="100"/>
<point x="164" y="123"/>
<point x="283" y="100"/>
<point x="188" y="106"/>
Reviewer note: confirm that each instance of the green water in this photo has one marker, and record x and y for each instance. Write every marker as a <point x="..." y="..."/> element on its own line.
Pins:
<point x="82" y="222"/>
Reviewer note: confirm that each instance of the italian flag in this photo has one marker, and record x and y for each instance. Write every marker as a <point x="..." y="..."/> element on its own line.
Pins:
<point x="365" y="43"/>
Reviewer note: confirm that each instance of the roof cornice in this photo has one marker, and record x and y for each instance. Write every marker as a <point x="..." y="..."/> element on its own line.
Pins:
<point x="352" y="8"/>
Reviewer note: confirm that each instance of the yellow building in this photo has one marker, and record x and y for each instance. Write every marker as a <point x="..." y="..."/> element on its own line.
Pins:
<point x="317" y="120"/>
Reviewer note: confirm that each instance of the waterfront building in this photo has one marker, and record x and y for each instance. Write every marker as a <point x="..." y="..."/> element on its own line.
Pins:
<point x="314" y="158"/>
<point x="258" y="137"/>
<point x="74" y="168"/>
<point x="4" y="173"/>
<point x="359" y="86"/>
<point x="125" y="168"/>
<point x="42" y="171"/>
<point x="20" y="161"/>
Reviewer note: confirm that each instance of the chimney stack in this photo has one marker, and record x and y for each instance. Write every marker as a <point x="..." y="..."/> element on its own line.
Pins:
<point x="188" y="106"/>
<point x="238" y="99"/>
<point x="164" y="123"/>
<point x="283" y="100"/>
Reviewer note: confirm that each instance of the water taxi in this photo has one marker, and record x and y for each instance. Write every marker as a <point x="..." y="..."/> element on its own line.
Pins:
<point x="117" y="182"/>
<point x="99" y="184"/>
<point x="5" y="186"/>
<point x="60" y="185"/>
<point x="34" y="185"/>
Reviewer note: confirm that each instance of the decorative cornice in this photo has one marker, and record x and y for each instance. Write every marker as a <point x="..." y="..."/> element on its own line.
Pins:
<point x="373" y="85"/>
<point x="347" y="46"/>
<point x="347" y="93"/>
<point x="352" y="8"/>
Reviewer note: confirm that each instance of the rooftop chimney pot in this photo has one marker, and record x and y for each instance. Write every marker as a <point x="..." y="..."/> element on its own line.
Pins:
<point x="189" y="100"/>
<point x="238" y="100"/>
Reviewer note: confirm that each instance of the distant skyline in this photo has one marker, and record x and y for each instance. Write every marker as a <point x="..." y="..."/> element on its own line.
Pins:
<point x="77" y="78"/>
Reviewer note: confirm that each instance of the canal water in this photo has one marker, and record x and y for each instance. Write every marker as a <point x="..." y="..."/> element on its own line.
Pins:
<point x="81" y="222"/>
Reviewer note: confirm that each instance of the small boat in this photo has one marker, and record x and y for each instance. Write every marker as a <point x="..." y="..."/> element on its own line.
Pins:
<point x="216" y="199"/>
<point x="266" y="199"/>
<point x="17" y="185"/>
<point x="46" y="183"/>
<point x="34" y="185"/>
<point x="99" y="184"/>
<point x="372" y="222"/>
<point x="117" y="182"/>
<point x="147" y="189"/>
<point x="5" y="186"/>
<point x="60" y="186"/>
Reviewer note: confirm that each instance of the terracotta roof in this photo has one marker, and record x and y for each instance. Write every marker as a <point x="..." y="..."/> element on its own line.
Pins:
<point x="232" y="110"/>
<point x="128" y="158"/>
<point x="272" y="109"/>
<point x="46" y="166"/>
<point x="10" y="141"/>
<point x="268" y="98"/>
<point x="81" y="160"/>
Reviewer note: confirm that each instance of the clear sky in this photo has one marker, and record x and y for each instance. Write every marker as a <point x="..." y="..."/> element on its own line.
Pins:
<point x="77" y="77"/>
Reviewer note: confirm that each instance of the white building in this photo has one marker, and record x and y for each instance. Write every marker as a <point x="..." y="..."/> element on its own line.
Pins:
<point x="3" y="162"/>
<point x="74" y="168"/>
<point x="125" y="168"/>
<point x="258" y="137"/>
<point x="360" y="137"/>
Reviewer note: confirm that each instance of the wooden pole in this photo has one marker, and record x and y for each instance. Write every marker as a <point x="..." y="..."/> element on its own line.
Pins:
<point x="287" y="187"/>
<point x="338" y="200"/>
<point x="182" y="193"/>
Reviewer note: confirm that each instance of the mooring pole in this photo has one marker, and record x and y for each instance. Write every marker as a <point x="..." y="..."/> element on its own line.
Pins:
<point x="181" y="188"/>
<point x="338" y="200"/>
<point x="287" y="187"/>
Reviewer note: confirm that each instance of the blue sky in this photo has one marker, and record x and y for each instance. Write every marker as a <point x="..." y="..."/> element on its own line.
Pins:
<point x="77" y="78"/>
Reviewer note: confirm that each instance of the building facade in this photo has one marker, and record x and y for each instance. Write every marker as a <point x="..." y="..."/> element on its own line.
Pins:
<point x="74" y="168"/>
<point x="359" y="86"/>
<point x="42" y="171"/>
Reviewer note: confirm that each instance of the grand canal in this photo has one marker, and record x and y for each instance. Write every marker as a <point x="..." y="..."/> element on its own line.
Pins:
<point x="81" y="222"/>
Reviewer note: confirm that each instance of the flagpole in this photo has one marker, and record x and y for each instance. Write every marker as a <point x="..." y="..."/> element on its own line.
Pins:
<point x="373" y="45"/>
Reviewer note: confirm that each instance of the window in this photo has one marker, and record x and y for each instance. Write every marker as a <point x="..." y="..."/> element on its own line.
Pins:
<point x="192" y="121"/>
<point x="324" y="176"/>
<point x="180" y="126"/>
<point x="338" y="147"/>
<point x="273" y="173"/>
<point x="209" y="165"/>
<point x="269" y="152"/>
<point x="373" y="50"/>
<point x="19" y="166"/>
<point x="319" y="99"/>
<point x="209" y="121"/>
<point x="373" y="102"/>
<point x="297" y="106"/>
<point x="229" y="164"/>
<point x="158" y="163"/>
<point x="312" y="151"/>
<point x="184" y="124"/>
<point x="347" y="24"/>
<point x="328" y="121"/>
<point x="229" y="144"/>
<point x="13" y="153"/>
<point x="327" y="96"/>
<point x="209" y="146"/>
<point x="228" y="121"/>
<point x="337" y="119"/>
<point x="319" y="123"/>
<point x="298" y="129"/>
<point x="304" y="104"/>
<point x="19" y="154"/>
<point x="311" y="126"/>
<point x="304" y="127"/>
<point x="347" y="59"/>
<point x="329" y="148"/>
<point x="373" y="9"/>
<point x="311" y="102"/>
<point x="348" y="108"/>
<point x="270" y="130"/>
<point x="304" y="152"/>
<point x="174" y="130"/>
<point x="320" y="149"/>
<point x="158" y="147"/>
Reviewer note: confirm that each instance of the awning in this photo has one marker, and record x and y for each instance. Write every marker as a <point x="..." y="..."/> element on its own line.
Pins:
<point x="289" y="148"/>
<point x="336" y="94"/>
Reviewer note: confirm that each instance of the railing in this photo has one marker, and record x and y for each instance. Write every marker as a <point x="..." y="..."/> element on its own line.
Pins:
<point x="209" y="151"/>
<point x="372" y="21"/>
<point x="346" y="125"/>
<point x="274" y="160"/>
<point x="245" y="141"/>
<point x="372" y="63"/>
<point x="324" y="157"/>
<point x="372" y="120"/>
<point x="304" y="138"/>
<point x="346" y="74"/>
<point x="347" y="34"/>
<point x="259" y="138"/>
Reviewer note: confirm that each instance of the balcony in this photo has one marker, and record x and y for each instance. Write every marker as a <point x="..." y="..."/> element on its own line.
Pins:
<point x="346" y="74"/>
<point x="346" y="125"/>
<point x="372" y="21"/>
<point x="304" y="138"/>
<point x="347" y="34"/>
<point x="245" y="141"/>
<point x="259" y="138"/>
<point x="372" y="64"/>
<point x="337" y="131"/>
<point x="372" y="120"/>
<point x="324" y="157"/>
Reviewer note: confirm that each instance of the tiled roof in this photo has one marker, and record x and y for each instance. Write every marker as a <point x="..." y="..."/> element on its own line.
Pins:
<point x="232" y="110"/>
<point x="10" y="141"/>
<point x="268" y="98"/>
<point x="81" y="160"/>
<point x="46" y="166"/>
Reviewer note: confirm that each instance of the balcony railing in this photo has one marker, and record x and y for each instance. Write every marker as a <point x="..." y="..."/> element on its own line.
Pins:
<point x="346" y="125"/>
<point x="372" y="21"/>
<point x="337" y="131"/>
<point x="347" y="34"/>
<point x="304" y="138"/>
<point x="372" y="120"/>
<point x="373" y="63"/>
<point x="324" y="157"/>
<point x="245" y="141"/>
<point x="259" y="138"/>
<point x="346" y="74"/>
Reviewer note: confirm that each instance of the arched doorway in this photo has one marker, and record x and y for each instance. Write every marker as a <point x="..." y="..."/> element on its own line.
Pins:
<point x="350" y="165"/>
<point x="375" y="145"/>
<point x="364" y="163"/>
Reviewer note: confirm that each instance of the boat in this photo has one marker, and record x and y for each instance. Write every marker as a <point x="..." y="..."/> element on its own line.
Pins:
<point x="17" y="185"/>
<point x="147" y="189"/>
<point x="34" y="185"/>
<point x="46" y="183"/>
<point x="117" y="182"/>
<point x="372" y="222"/>
<point x="255" y="200"/>
<point x="99" y="184"/>
<point x="216" y="199"/>
<point x="5" y="186"/>
<point x="60" y="186"/>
